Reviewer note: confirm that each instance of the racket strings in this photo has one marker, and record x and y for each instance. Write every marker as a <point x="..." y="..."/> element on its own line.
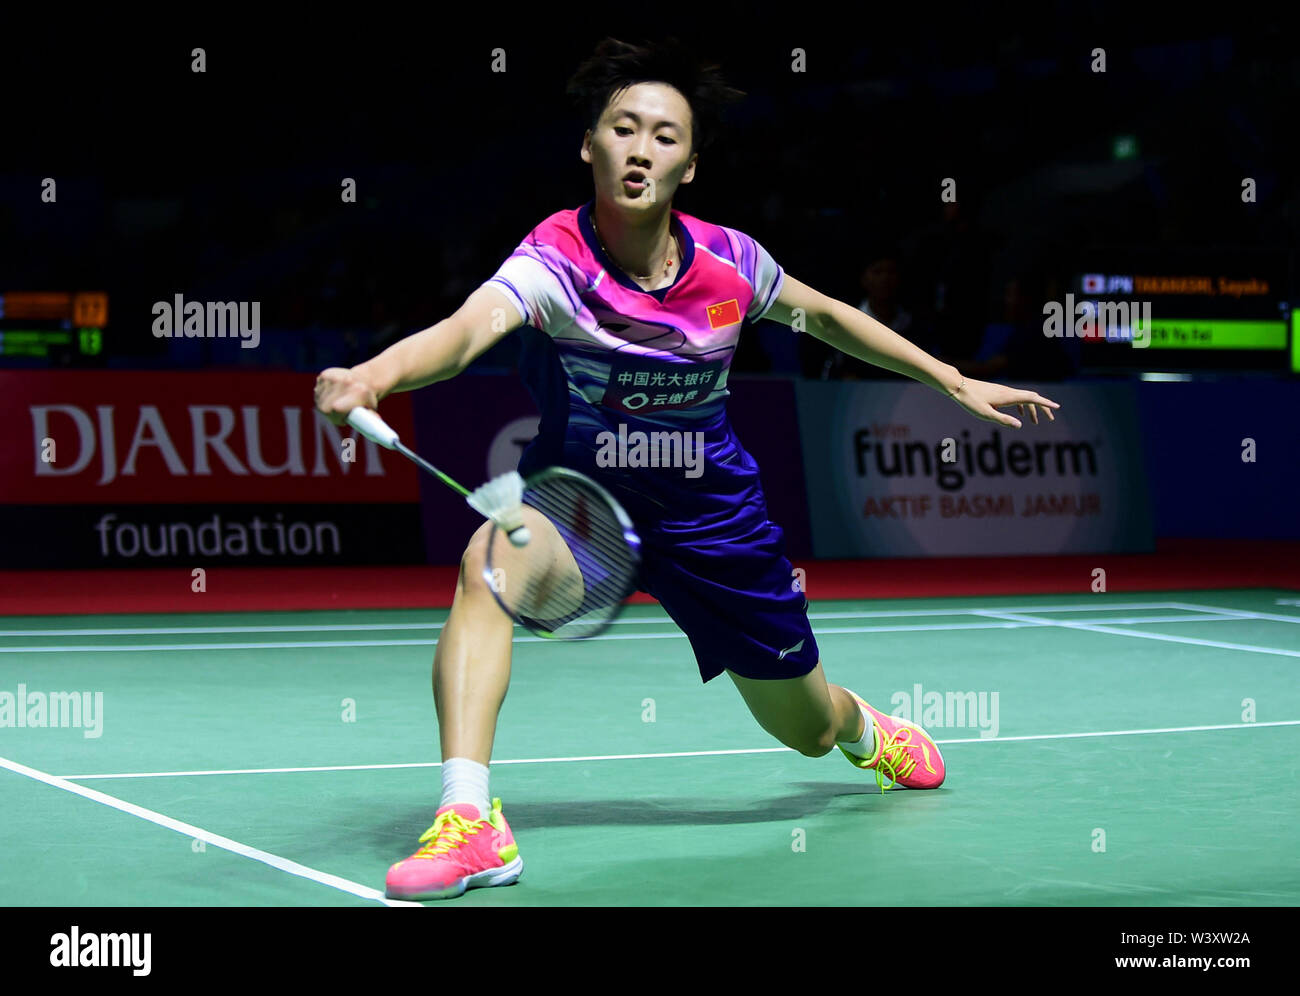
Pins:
<point x="598" y="540"/>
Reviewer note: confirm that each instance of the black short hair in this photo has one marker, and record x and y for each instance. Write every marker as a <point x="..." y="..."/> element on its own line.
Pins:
<point x="616" y="65"/>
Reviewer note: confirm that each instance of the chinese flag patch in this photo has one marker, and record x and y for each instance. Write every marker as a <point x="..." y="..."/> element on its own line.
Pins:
<point x="724" y="314"/>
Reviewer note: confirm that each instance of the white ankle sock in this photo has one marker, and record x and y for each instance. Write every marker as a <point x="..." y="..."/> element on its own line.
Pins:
<point x="464" y="780"/>
<point x="866" y="746"/>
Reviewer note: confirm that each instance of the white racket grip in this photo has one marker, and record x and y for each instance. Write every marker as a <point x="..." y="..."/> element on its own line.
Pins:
<point x="370" y="425"/>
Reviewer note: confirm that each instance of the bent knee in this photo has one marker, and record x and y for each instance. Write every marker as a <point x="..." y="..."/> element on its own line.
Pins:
<point x="812" y="746"/>
<point x="473" y="563"/>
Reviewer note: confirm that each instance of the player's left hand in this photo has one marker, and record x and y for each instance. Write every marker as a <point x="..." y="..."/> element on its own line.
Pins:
<point x="982" y="400"/>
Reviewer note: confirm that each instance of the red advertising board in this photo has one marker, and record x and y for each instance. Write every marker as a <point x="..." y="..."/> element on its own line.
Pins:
<point x="90" y="437"/>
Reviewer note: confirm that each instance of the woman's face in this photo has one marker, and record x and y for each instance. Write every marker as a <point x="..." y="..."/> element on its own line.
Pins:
<point x="640" y="149"/>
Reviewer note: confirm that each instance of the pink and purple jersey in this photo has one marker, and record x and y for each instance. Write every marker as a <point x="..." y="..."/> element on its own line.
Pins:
<point x="603" y="357"/>
<point x="661" y="356"/>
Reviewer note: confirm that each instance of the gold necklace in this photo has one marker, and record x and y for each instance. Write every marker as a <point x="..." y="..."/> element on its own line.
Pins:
<point x="668" y="261"/>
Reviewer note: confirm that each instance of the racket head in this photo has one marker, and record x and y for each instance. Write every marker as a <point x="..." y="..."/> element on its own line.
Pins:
<point x="570" y="581"/>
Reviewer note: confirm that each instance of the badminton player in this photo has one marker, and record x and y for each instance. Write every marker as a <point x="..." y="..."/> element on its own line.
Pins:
<point x="630" y="313"/>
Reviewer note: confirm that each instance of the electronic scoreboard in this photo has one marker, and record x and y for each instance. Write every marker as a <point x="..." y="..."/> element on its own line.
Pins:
<point x="1187" y="310"/>
<point x="52" y="328"/>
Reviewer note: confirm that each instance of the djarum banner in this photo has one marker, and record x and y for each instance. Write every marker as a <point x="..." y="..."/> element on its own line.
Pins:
<point x="154" y="469"/>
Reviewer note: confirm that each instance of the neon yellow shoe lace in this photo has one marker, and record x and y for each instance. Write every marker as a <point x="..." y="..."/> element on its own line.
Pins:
<point x="895" y="759"/>
<point x="449" y="830"/>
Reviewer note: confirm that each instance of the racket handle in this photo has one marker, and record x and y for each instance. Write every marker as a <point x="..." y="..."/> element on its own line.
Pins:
<point x="370" y="425"/>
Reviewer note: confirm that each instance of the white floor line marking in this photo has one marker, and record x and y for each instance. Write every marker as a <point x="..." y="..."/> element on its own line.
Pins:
<point x="1164" y="637"/>
<point x="185" y="630"/>
<point x="1009" y="622"/>
<point x="685" y="753"/>
<point x="432" y="764"/>
<point x="1124" y="733"/>
<point x="297" y="644"/>
<point x="1276" y="617"/>
<point x="198" y="833"/>
<point x="903" y="613"/>
<point x="625" y="621"/>
<point x="261" y="771"/>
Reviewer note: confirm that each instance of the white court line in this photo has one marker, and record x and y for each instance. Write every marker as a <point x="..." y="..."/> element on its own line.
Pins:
<point x="1164" y="637"/>
<point x="1124" y="733"/>
<point x="180" y="630"/>
<point x="1008" y="623"/>
<point x="625" y="621"/>
<point x="685" y="753"/>
<point x="908" y="613"/>
<point x="303" y="644"/>
<point x="429" y="764"/>
<point x="198" y="833"/>
<point x="1273" y="616"/>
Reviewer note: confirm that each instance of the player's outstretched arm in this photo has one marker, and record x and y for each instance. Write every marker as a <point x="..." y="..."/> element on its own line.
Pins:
<point x="859" y="335"/>
<point x="434" y="354"/>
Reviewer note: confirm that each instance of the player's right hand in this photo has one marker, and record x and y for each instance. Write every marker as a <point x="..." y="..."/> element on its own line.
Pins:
<point x="339" y="390"/>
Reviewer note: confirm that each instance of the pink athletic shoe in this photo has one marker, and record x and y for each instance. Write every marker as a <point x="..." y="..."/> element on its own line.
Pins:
<point x="904" y="752"/>
<point x="460" y="851"/>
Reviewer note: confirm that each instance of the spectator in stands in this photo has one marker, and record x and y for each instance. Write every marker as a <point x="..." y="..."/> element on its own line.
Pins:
<point x="1016" y="346"/>
<point x="879" y="281"/>
<point x="948" y="264"/>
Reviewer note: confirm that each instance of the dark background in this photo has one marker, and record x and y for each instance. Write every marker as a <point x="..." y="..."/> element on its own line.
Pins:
<point x="225" y="185"/>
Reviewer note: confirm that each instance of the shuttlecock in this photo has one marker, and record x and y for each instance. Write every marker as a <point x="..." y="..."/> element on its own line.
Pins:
<point x="501" y="500"/>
